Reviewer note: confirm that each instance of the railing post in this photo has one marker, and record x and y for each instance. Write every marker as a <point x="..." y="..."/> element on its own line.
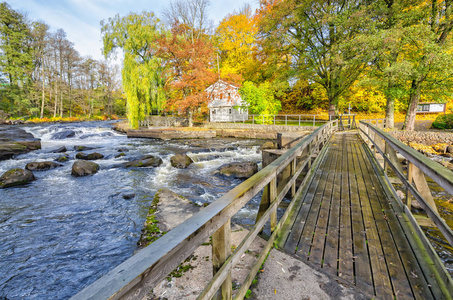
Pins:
<point x="253" y="119"/>
<point x="299" y="120"/>
<point x="272" y="198"/>
<point x="221" y="250"/>
<point x="286" y="120"/>
<point x="314" y="121"/>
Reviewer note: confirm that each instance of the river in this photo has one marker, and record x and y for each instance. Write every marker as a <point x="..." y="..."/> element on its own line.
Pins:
<point x="61" y="233"/>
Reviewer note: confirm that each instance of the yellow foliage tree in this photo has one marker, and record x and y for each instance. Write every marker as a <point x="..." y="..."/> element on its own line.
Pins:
<point x="236" y="42"/>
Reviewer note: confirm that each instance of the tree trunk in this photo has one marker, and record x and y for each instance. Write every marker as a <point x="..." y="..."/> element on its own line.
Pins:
<point x="43" y="95"/>
<point x="390" y="112"/>
<point x="332" y="108"/>
<point x="409" y="122"/>
<point x="56" y="101"/>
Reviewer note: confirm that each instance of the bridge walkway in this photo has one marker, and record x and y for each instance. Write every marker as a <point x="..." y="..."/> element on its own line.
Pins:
<point x="344" y="224"/>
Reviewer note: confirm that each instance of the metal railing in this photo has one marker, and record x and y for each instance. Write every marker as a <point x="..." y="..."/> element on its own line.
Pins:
<point x="133" y="278"/>
<point x="287" y="120"/>
<point x="385" y="149"/>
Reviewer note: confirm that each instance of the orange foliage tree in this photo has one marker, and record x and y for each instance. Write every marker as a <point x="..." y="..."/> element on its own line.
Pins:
<point x="189" y="65"/>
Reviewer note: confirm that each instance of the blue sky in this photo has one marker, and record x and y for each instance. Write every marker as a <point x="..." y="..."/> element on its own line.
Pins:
<point x="80" y="18"/>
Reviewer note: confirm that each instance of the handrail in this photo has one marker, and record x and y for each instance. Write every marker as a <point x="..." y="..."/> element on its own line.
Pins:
<point x="132" y="278"/>
<point x="436" y="172"/>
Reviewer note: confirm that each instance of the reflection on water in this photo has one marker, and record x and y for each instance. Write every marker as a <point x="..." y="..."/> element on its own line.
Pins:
<point x="61" y="233"/>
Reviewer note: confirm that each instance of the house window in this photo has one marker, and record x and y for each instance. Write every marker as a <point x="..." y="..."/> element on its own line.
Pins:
<point x="230" y="111"/>
<point x="213" y="111"/>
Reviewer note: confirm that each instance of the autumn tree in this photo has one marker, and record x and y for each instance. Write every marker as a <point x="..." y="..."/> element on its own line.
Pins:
<point x="429" y="53"/>
<point x="189" y="65"/>
<point x="136" y="35"/>
<point x="235" y="40"/>
<point x="321" y="40"/>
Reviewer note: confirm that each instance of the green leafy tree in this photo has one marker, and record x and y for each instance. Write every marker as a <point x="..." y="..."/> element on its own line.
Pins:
<point x="261" y="100"/>
<point x="142" y="74"/>
<point x="322" y="40"/>
<point x="16" y="62"/>
<point x="429" y="53"/>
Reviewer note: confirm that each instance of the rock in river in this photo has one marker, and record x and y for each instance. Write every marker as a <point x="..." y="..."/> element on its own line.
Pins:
<point x="90" y="156"/>
<point x="16" y="177"/>
<point x="180" y="161"/>
<point x="239" y="169"/>
<point x="63" y="135"/>
<point x="15" y="141"/>
<point x="62" y="158"/>
<point x="42" y="166"/>
<point x="83" y="168"/>
<point x="145" y="161"/>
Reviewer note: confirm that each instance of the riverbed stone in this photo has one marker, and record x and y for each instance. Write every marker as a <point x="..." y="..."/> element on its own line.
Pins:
<point x="120" y="155"/>
<point x="239" y="169"/>
<point x="143" y="162"/>
<point x="59" y="150"/>
<point x="82" y="148"/>
<point x="180" y="161"/>
<point x="89" y="156"/>
<point x="42" y="166"/>
<point x="63" y="135"/>
<point x="84" y="168"/>
<point x="16" y="177"/>
<point x="268" y="145"/>
<point x="62" y="158"/>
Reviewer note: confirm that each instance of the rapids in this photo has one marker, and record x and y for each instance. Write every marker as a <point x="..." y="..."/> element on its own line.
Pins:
<point x="61" y="233"/>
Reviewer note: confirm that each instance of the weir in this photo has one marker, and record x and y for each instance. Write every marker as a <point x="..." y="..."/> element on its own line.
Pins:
<point x="344" y="217"/>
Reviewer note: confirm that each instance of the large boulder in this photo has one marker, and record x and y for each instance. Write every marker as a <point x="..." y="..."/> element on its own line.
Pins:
<point x="145" y="161"/>
<point x="16" y="177"/>
<point x="90" y="156"/>
<point x="42" y="166"/>
<point x="15" y="141"/>
<point x="84" y="168"/>
<point x="268" y="145"/>
<point x="180" y="161"/>
<point x="239" y="169"/>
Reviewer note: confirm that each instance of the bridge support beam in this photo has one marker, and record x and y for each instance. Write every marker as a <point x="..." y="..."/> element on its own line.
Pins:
<point x="416" y="176"/>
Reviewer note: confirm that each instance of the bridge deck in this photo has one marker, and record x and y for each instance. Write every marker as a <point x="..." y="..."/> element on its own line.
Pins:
<point x="345" y="225"/>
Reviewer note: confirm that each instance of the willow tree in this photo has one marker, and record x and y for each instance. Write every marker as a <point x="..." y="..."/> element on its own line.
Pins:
<point x="142" y="74"/>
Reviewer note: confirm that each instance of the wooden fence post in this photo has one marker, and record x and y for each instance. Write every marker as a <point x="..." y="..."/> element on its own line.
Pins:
<point x="221" y="250"/>
<point x="415" y="175"/>
<point x="293" y="171"/>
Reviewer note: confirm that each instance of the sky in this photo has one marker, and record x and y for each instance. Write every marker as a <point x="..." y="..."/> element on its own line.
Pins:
<point x="80" y="19"/>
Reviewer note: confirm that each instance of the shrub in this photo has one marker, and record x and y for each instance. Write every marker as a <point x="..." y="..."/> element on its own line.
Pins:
<point x="443" y="122"/>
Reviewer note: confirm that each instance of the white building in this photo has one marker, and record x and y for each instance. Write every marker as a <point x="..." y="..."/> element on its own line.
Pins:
<point x="225" y="103"/>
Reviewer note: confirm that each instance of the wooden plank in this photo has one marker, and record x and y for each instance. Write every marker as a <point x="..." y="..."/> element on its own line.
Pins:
<point x="221" y="250"/>
<point x="332" y="241"/>
<point x="294" y="235"/>
<point x="382" y="284"/>
<point x="307" y="234"/>
<point x="300" y="197"/>
<point x="362" y="268"/>
<point x="345" y="264"/>
<point x="319" y="239"/>
<point x="412" y="268"/>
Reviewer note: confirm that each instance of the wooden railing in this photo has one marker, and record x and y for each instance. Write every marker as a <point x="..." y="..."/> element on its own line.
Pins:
<point x="386" y="147"/>
<point x="133" y="278"/>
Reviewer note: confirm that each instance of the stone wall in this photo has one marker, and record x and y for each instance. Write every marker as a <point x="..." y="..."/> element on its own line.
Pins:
<point x="160" y="121"/>
<point x="424" y="137"/>
<point x="258" y="127"/>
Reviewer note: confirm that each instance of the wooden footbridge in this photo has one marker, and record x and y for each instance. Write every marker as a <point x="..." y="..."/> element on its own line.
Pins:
<point x="344" y="218"/>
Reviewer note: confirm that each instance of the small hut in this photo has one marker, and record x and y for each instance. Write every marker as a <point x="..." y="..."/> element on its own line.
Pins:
<point x="225" y="103"/>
